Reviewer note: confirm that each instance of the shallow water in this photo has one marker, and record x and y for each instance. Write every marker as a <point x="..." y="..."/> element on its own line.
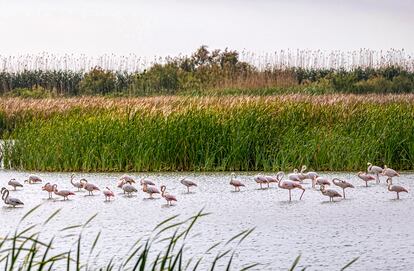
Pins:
<point x="369" y="224"/>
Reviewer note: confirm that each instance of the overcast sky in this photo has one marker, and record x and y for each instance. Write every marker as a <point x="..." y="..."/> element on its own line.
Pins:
<point x="167" y="27"/>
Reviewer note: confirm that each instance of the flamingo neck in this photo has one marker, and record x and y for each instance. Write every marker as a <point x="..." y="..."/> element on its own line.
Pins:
<point x="5" y="195"/>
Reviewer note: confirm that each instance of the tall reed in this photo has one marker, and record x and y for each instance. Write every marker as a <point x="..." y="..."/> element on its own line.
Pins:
<point x="243" y="133"/>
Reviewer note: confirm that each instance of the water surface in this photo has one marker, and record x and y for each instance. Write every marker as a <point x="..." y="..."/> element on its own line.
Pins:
<point x="369" y="224"/>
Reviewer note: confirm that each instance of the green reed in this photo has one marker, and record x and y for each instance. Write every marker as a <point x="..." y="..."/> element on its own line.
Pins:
<point x="257" y="135"/>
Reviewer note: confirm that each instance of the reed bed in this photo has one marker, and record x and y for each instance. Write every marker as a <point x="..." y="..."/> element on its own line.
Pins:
<point x="282" y="59"/>
<point x="333" y="132"/>
<point x="209" y="72"/>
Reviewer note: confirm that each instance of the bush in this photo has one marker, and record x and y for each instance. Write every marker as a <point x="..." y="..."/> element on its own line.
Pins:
<point x="98" y="81"/>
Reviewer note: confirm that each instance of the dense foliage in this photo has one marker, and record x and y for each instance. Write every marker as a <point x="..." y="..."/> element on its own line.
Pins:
<point x="206" y="72"/>
<point x="328" y="133"/>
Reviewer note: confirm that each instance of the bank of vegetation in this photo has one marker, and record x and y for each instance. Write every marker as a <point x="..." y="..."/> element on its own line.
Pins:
<point x="216" y="72"/>
<point x="329" y="132"/>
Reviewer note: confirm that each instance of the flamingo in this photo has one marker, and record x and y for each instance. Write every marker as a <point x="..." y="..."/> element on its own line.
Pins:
<point x="288" y="184"/>
<point x="127" y="178"/>
<point x="320" y="181"/>
<point x="261" y="180"/>
<point x="63" y="193"/>
<point x="146" y="181"/>
<point x="395" y="188"/>
<point x="295" y="176"/>
<point x="308" y="175"/>
<point x="188" y="183"/>
<point x="33" y="179"/>
<point x="375" y="170"/>
<point x="330" y="193"/>
<point x="9" y="201"/>
<point x="128" y="188"/>
<point x="14" y="183"/>
<point x="390" y="173"/>
<point x="49" y="188"/>
<point x="342" y="184"/>
<point x="79" y="185"/>
<point x="271" y="179"/>
<point x="90" y="188"/>
<point x="235" y="182"/>
<point x="168" y="197"/>
<point x="365" y="177"/>
<point x="150" y="190"/>
<point x="108" y="194"/>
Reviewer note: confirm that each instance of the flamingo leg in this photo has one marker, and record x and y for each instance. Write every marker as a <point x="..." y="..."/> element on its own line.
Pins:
<point x="188" y="189"/>
<point x="268" y="185"/>
<point x="398" y="195"/>
<point x="344" y="192"/>
<point x="366" y="183"/>
<point x="378" y="179"/>
<point x="261" y="187"/>
<point x="303" y="191"/>
<point x="290" y="195"/>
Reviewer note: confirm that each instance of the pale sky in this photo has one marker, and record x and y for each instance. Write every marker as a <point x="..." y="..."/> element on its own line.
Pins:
<point x="162" y="27"/>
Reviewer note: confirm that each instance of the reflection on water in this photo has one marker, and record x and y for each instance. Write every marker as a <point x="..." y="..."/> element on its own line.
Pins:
<point x="369" y="223"/>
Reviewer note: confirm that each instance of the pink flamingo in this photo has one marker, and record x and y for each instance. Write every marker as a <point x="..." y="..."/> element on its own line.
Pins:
<point x="375" y="170"/>
<point x="330" y="193"/>
<point x="320" y="181"/>
<point x="342" y="184"/>
<point x="14" y="183"/>
<point x="295" y="176"/>
<point x="261" y="180"/>
<point x="33" y="180"/>
<point x="390" y="173"/>
<point x="308" y="175"/>
<point x="108" y="194"/>
<point x="63" y="193"/>
<point x="49" y="188"/>
<point x="365" y="177"/>
<point x="188" y="183"/>
<point x="90" y="188"/>
<point x="7" y="200"/>
<point x="395" y="188"/>
<point x="79" y="185"/>
<point x="168" y="197"/>
<point x="235" y="182"/>
<point x="127" y="178"/>
<point x="146" y="181"/>
<point x="150" y="190"/>
<point x="271" y="179"/>
<point x="288" y="184"/>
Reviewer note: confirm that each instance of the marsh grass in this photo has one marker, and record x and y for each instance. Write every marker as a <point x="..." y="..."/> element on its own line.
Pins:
<point x="330" y="132"/>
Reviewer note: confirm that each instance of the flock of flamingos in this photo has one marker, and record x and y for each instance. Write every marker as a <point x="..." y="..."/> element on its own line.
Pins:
<point x="294" y="181"/>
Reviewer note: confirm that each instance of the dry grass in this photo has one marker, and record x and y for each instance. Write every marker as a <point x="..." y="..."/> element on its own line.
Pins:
<point x="167" y="104"/>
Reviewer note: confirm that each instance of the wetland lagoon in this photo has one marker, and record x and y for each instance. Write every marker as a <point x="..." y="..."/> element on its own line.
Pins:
<point x="370" y="224"/>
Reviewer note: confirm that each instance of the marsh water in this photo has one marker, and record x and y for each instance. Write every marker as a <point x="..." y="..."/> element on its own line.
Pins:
<point x="369" y="224"/>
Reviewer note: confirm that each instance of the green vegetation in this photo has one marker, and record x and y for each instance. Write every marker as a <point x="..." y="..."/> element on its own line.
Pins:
<point x="209" y="73"/>
<point x="214" y="134"/>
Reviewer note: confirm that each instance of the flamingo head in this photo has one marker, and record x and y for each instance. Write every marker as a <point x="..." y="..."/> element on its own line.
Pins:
<point x="163" y="187"/>
<point x="295" y="170"/>
<point x="280" y="175"/>
<point x="303" y="168"/>
<point x="389" y="181"/>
